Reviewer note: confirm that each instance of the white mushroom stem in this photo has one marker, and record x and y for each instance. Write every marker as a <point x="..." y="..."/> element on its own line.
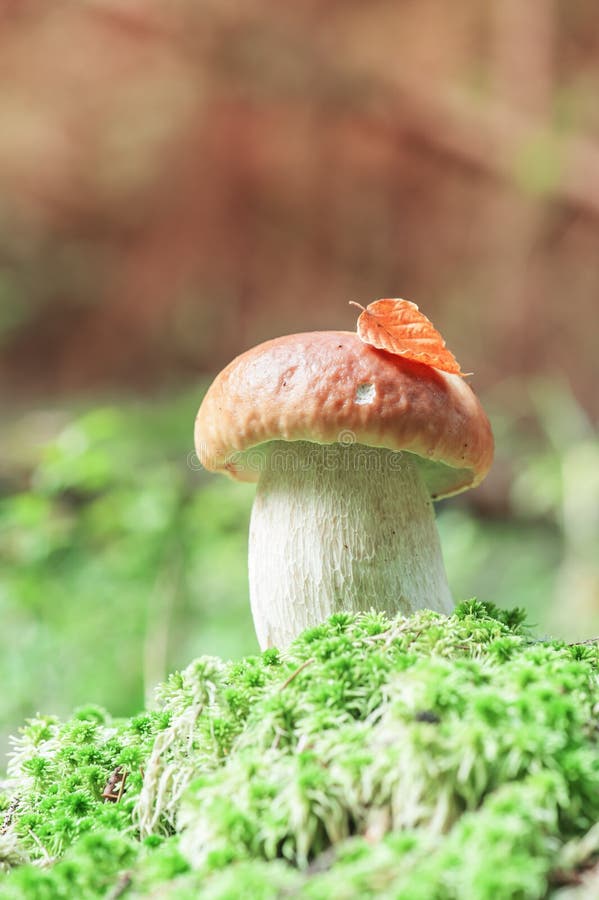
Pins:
<point x="340" y="528"/>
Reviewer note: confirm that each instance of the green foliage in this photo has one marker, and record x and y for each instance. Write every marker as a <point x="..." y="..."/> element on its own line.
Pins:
<point x="421" y="758"/>
<point x="115" y="546"/>
<point x="120" y="560"/>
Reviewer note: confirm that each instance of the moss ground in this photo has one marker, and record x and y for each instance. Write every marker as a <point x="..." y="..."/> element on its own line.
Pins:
<point x="423" y="758"/>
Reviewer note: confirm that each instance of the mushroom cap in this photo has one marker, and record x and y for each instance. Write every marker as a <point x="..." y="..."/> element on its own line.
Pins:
<point x="330" y="387"/>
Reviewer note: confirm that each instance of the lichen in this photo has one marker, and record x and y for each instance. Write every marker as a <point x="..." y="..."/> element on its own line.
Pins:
<point x="428" y="757"/>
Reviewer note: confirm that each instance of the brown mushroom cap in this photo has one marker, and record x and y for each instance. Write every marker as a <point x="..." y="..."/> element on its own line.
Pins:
<point x="329" y="387"/>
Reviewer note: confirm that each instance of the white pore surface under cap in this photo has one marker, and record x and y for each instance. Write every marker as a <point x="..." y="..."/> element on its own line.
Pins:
<point x="340" y="528"/>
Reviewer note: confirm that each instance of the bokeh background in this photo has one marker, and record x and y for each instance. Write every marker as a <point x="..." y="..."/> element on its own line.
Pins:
<point x="181" y="180"/>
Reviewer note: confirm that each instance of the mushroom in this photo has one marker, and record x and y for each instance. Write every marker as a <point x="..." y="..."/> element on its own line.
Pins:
<point x="349" y="446"/>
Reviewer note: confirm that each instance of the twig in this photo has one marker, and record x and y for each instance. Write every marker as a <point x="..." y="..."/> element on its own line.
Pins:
<point x="394" y="633"/>
<point x="121" y="886"/>
<point x="296" y="673"/>
<point x="9" y="815"/>
<point x="375" y="638"/>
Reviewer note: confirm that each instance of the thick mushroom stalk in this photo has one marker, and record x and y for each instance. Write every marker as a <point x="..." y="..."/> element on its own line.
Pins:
<point x="340" y="527"/>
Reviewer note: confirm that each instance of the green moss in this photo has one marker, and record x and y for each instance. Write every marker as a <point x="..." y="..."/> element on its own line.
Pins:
<point x="419" y="758"/>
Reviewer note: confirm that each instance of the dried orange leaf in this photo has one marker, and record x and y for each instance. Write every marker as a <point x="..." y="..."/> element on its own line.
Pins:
<point x="399" y="327"/>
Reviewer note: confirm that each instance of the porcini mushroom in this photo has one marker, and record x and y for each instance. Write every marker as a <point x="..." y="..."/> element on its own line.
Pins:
<point x="349" y="446"/>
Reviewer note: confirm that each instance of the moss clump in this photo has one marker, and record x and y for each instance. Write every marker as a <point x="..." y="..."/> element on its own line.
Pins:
<point x="423" y="758"/>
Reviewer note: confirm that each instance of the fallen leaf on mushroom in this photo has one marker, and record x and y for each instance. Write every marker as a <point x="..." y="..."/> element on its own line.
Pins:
<point x="399" y="327"/>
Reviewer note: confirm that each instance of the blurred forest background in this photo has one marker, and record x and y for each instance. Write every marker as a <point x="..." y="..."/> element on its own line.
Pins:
<point x="180" y="181"/>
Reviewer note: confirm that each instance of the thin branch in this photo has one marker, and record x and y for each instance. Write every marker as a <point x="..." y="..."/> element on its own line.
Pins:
<point x="121" y="886"/>
<point x="296" y="673"/>
<point x="9" y="815"/>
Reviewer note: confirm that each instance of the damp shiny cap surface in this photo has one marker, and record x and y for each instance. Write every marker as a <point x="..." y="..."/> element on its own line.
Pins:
<point x="329" y="387"/>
